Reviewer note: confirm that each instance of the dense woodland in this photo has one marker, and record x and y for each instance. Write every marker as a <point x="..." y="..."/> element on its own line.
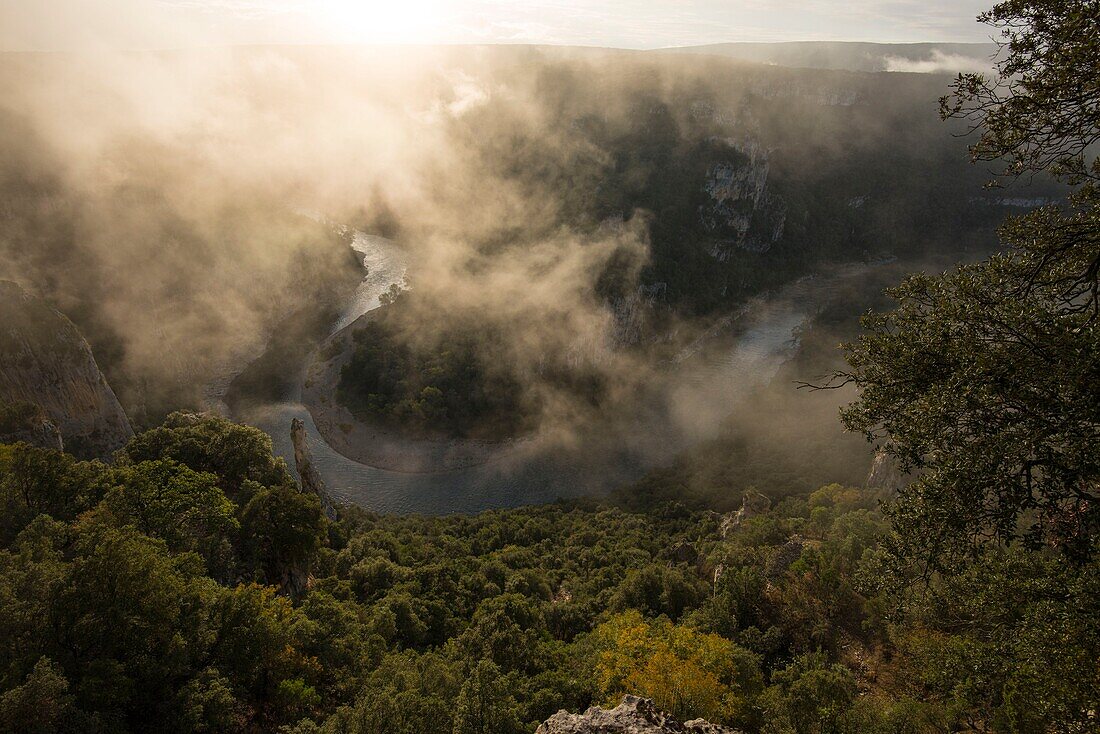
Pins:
<point x="192" y="586"/>
<point x="461" y="380"/>
<point x="457" y="384"/>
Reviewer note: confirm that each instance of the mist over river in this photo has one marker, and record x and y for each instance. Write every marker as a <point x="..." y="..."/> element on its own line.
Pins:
<point x="741" y="356"/>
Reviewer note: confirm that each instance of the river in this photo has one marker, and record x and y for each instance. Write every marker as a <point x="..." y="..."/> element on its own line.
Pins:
<point x="704" y="390"/>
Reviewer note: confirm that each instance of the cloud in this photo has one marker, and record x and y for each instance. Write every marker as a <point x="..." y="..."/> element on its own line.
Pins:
<point x="939" y="63"/>
<point x="172" y="230"/>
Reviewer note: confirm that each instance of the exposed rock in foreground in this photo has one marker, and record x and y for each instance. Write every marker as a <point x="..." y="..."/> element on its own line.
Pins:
<point x="44" y="361"/>
<point x="633" y="716"/>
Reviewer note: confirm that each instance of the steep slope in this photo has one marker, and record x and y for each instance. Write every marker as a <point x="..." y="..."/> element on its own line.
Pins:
<point x="44" y="361"/>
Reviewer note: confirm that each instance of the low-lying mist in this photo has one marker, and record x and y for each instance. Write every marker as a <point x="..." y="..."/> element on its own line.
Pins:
<point x="600" y="209"/>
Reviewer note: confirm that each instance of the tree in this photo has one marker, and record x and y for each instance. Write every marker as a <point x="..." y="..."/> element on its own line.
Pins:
<point x="40" y="705"/>
<point x="1042" y="111"/>
<point x="257" y="644"/>
<point x="657" y="589"/>
<point x="1012" y="640"/>
<point x="484" y="705"/>
<point x="206" y="704"/>
<point x="283" y="530"/>
<point x="809" y="696"/>
<point x="407" y="693"/>
<point x="35" y="480"/>
<point x="185" y="508"/>
<point x="506" y="630"/>
<point x="687" y="673"/>
<point x="126" y="624"/>
<point x="987" y="379"/>
<point x="235" y="453"/>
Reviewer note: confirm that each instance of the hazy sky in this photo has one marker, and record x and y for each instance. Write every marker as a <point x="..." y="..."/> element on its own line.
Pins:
<point x="64" y="24"/>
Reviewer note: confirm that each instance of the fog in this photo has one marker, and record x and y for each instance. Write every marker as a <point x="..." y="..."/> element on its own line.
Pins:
<point x="180" y="206"/>
<point x="163" y="197"/>
<point x="941" y="63"/>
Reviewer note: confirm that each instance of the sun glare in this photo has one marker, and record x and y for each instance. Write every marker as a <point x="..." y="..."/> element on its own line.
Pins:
<point x="375" y="21"/>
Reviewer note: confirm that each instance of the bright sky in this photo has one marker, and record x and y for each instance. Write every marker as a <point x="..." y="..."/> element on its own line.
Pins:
<point x="68" y="24"/>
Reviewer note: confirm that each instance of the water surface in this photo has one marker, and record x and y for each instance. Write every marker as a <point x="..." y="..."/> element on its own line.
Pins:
<point x="704" y="390"/>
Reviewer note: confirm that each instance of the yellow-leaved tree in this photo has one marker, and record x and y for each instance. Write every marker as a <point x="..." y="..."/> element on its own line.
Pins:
<point x="688" y="673"/>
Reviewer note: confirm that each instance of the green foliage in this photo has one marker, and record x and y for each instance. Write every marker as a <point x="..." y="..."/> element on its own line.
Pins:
<point x="192" y="587"/>
<point x="40" y="705"/>
<point x="809" y="696"/>
<point x="993" y="395"/>
<point x="657" y="589"/>
<point x="1012" y="638"/>
<point x="457" y="385"/>
<point x="18" y="416"/>
<point x="688" y="673"/>
<point x="34" y="480"/>
<point x="986" y="378"/>
<point x="406" y="694"/>
<point x="1042" y="111"/>
<point x="184" y="508"/>
<point x="485" y="704"/>
<point x="116" y="618"/>
<point x="282" y="531"/>
<point x="233" y="452"/>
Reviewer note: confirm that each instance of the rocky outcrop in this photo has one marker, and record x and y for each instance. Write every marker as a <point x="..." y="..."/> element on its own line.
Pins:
<point x="740" y="209"/>
<point x="753" y="503"/>
<point x="303" y="461"/>
<point x="44" y="361"/>
<point x="885" y="474"/>
<point x="785" y="557"/>
<point x="633" y="716"/>
<point x="684" y="552"/>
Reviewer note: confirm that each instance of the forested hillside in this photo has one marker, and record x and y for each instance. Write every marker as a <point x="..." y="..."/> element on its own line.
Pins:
<point x="192" y="587"/>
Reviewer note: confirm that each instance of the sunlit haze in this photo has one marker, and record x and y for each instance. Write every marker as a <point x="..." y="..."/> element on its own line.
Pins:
<point x="82" y="24"/>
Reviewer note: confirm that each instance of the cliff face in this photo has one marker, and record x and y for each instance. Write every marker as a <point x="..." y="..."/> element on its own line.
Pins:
<point x="740" y="208"/>
<point x="45" y="361"/>
<point x="303" y="460"/>
<point x="633" y="716"/>
<point x="885" y="474"/>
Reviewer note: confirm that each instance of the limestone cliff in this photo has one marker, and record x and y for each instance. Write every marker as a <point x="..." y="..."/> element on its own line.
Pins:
<point x="886" y="475"/>
<point x="753" y="503"/>
<point x="44" y="361"/>
<point x="303" y="460"/>
<point x="740" y="210"/>
<point x="633" y="716"/>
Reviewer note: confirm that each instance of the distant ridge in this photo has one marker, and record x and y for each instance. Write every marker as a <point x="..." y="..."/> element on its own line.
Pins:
<point x="948" y="58"/>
